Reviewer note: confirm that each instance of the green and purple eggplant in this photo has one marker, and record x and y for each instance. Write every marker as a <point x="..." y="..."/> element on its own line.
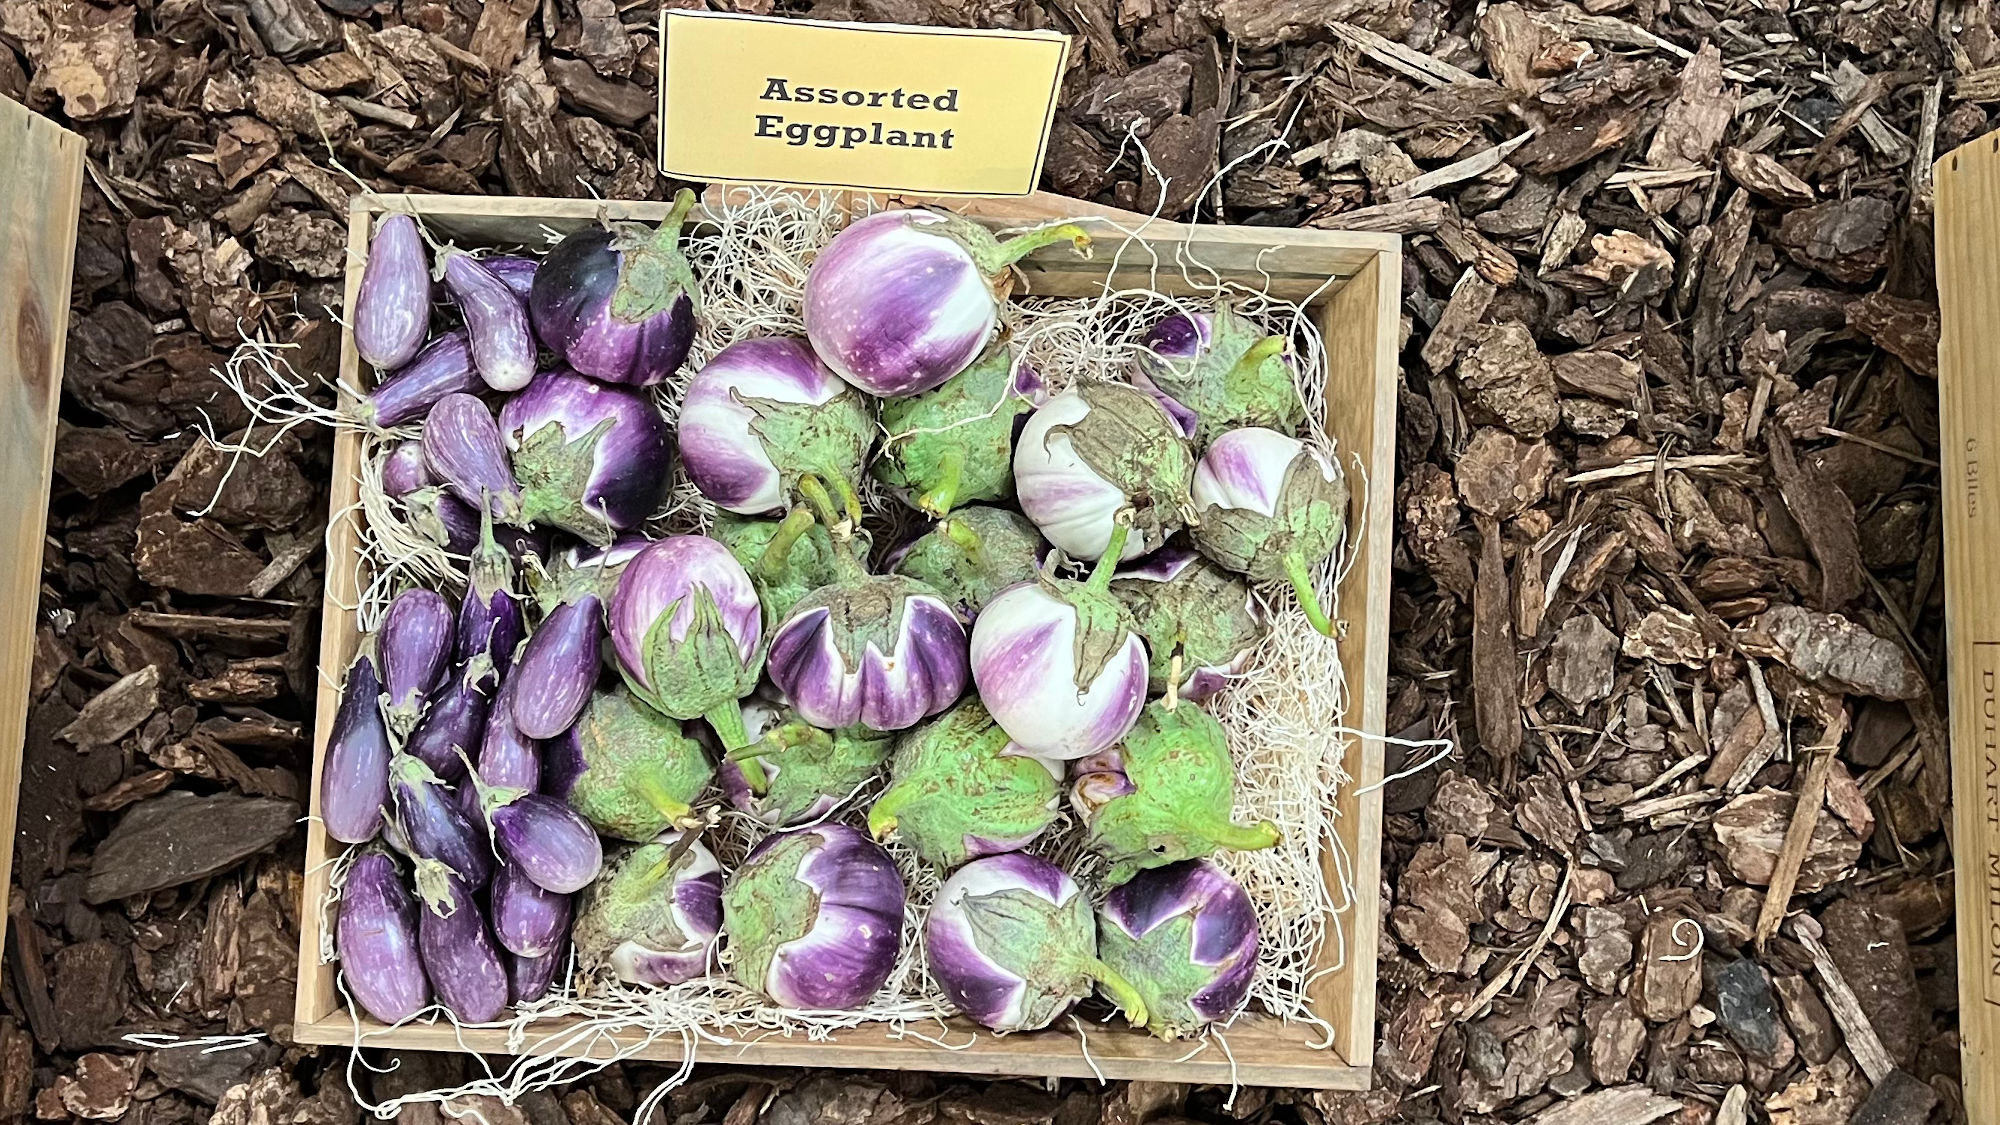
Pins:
<point x="954" y="444"/>
<point x="1271" y="509"/>
<point x="959" y="789"/>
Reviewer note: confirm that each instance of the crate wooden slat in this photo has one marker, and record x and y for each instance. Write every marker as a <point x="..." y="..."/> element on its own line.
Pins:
<point x="1355" y="283"/>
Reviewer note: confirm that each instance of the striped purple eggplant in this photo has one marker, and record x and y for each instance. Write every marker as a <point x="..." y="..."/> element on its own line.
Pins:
<point x="453" y="524"/>
<point x="688" y="632"/>
<point x="958" y="790"/>
<point x="558" y="667"/>
<point x="591" y="459"/>
<point x="436" y="828"/>
<point x="530" y="978"/>
<point x="1215" y="371"/>
<point x="354" y="780"/>
<point x="1185" y="936"/>
<point x="404" y="470"/>
<point x="903" y="300"/>
<point x="460" y="957"/>
<point x="507" y="757"/>
<point x="550" y="842"/>
<point x="765" y="426"/>
<point x="376" y="937"/>
<point x="392" y="309"/>
<point x="654" y="915"/>
<point x="491" y="621"/>
<point x="414" y="645"/>
<point x="627" y="769"/>
<point x="1200" y="622"/>
<point x="463" y="447"/>
<point x="496" y="323"/>
<point x="407" y="394"/>
<point x="515" y="271"/>
<point x="814" y="917"/>
<point x="617" y="302"/>
<point x="453" y="725"/>
<point x="1271" y="508"/>
<point x="527" y="920"/>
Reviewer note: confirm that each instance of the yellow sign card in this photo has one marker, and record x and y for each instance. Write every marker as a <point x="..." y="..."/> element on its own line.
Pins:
<point x="939" y="111"/>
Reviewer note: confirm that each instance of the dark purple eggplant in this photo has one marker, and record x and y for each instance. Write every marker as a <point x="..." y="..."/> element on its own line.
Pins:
<point x="354" y="780"/>
<point x="414" y="645"/>
<point x="404" y="471"/>
<point x="376" y="936"/>
<point x="463" y="448"/>
<point x="558" y="667"/>
<point x="530" y="978"/>
<point x="392" y="310"/>
<point x="549" y="841"/>
<point x="453" y="524"/>
<point x="453" y="725"/>
<point x="496" y="323"/>
<point x="460" y="957"/>
<point x="435" y="827"/>
<point x="618" y="303"/>
<point x="515" y="271"/>
<point x="527" y="920"/>
<point x="444" y="367"/>
<point x="508" y="759"/>
<point x="490" y="619"/>
<point x="591" y="459"/>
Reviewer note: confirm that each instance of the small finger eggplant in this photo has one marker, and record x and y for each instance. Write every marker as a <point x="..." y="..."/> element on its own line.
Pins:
<point x="376" y="937"/>
<point x="786" y="559"/>
<point x="765" y="426"/>
<point x="1200" y="622"/>
<point x="1175" y="799"/>
<point x="618" y="302"/>
<point x="459" y="956"/>
<point x="496" y="322"/>
<point x="414" y="644"/>
<point x="404" y="471"/>
<point x="902" y="300"/>
<point x="507" y="757"/>
<point x="530" y="978"/>
<point x="1185" y="936"/>
<point x="793" y="772"/>
<point x="437" y="830"/>
<point x="527" y="920"/>
<point x="878" y="651"/>
<point x="1094" y="451"/>
<point x="1060" y="663"/>
<point x="655" y="914"/>
<point x="591" y="459"/>
<point x="444" y="367"/>
<point x="515" y="271"/>
<point x="972" y="555"/>
<point x="688" y="632"/>
<point x="954" y="444"/>
<point x="1272" y="508"/>
<point x="960" y="790"/>
<point x="463" y="447"/>
<point x="627" y="769"/>
<point x="490" y="618"/>
<point x="558" y="667"/>
<point x="392" y="309"/>
<point x="815" y="918"/>
<point x="354" y="781"/>
<point x="453" y="725"/>
<point x="1218" y="370"/>
<point x="554" y="847"/>
<point x="1012" y="940"/>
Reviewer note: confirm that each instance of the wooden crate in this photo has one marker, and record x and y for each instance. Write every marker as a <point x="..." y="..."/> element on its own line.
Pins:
<point x="1359" y="316"/>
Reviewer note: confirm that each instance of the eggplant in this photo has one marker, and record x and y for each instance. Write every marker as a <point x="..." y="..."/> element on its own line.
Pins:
<point x="376" y="937"/>
<point x="354" y="781"/>
<point x="453" y="524"/>
<point x="617" y="302"/>
<point x="392" y="309"/>
<point x="515" y="271"/>
<point x="462" y="446"/>
<point x="527" y="920"/>
<point x="507" y="758"/>
<point x="414" y="645"/>
<point x="460" y="956"/>
<point x="404" y="471"/>
<point x="490" y="618"/>
<point x="530" y="978"/>
<point x="496" y="323"/>
<point x="591" y="459"/>
<point x="452" y="726"/>
<point x="558" y="668"/>
<point x="549" y="841"/>
<point x="444" y="367"/>
<point x="436" y="830"/>
<point x="629" y="770"/>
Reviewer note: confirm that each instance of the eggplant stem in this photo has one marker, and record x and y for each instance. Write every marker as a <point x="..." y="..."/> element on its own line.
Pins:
<point x="850" y="499"/>
<point x="882" y="815"/>
<point x="1114" y="552"/>
<point x="1244" y="838"/>
<point x="663" y="803"/>
<point x="1174" y="682"/>
<point x="727" y="722"/>
<point x="771" y="564"/>
<point x="1245" y="369"/>
<point x="951" y="471"/>
<point x="1119" y="990"/>
<point x="1004" y="254"/>
<point x="822" y="504"/>
<point x="1295" y="569"/>
<point x="755" y="776"/>
<point x="968" y="540"/>
<point x="667" y="236"/>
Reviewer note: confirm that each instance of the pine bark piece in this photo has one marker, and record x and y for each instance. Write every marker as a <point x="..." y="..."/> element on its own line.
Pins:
<point x="1496" y="670"/>
<point x="1761" y="173"/>
<point x="1838" y="654"/>
<point x="1469" y="300"/>
<point x="178" y="837"/>
<point x="1847" y="1008"/>
<point x="116" y="711"/>
<point x="1583" y="660"/>
<point x="1616" y="1105"/>
<point x="1845" y="239"/>
<point x="1826" y="517"/>
<point x="1874" y="961"/>
<point x="1904" y="328"/>
<point x="1667" y="980"/>
<point x="1508" y="378"/>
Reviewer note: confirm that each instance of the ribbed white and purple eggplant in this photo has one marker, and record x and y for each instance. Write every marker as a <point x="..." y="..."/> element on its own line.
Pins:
<point x="464" y="965"/>
<point x="1217" y="371"/>
<point x="654" y="916"/>
<point x="689" y="633"/>
<point x="1185" y="936"/>
<point x="1094" y="451"/>
<point x="765" y="427"/>
<point x="958" y="790"/>
<point x="1271" y="508"/>
<point x="1012" y="940"/>
<point x="591" y="459"/>
<point x="443" y="367"/>
<point x="972" y="555"/>
<point x="627" y="769"/>
<point x="415" y="646"/>
<point x="1200" y="622"/>
<point x="1165" y="794"/>
<point x="1060" y="663"/>
<point x="551" y="843"/>
<point x="954" y="444"/>
<point x="354" y="782"/>
<point x="376" y="937"/>
<point x="902" y="300"/>
<point x="527" y="920"/>
<point x="392" y="309"/>
<point x="496" y="322"/>
<point x="793" y="772"/>
<point x="786" y="559"/>
<point x="463" y="448"/>
<point x="618" y="302"/>
<point x="814" y="918"/>
<point x="878" y="651"/>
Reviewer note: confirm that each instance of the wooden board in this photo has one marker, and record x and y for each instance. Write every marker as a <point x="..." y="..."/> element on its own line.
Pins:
<point x="1355" y="280"/>
<point x="1968" y="274"/>
<point x="41" y="185"/>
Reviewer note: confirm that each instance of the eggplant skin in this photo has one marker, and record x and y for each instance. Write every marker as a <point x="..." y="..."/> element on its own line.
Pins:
<point x="460" y="957"/>
<point x="376" y="936"/>
<point x="354" y="782"/>
<point x="558" y="668"/>
<point x="530" y="978"/>
<point x="392" y="310"/>
<point x="570" y="305"/>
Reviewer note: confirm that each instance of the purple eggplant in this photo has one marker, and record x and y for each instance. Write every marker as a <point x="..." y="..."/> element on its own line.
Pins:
<point x="496" y="323"/>
<point x="530" y="978"/>
<point x="527" y="920"/>
<point x="507" y="757"/>
<point x="392" y="310"/>
<point x="463" y="448"/>
<point x="590" y="458"/>
<point x="617" y="302"/>
<point x="453" y="524"/>
<point x="1185" y="936"/>
<point x="460" y="957"/>
<point x="444" y="367"/>
<point x="814" y="917"/>
<point x="354" y="781"/>
<point x="558" y="667"/>
<point x="515" y="271"/>
<point x="549" y="841"/>
<point x="454" y="722"/>
<point x="404" y="470"/>
<point x="688" y="632"/>
<point x="414" y="645"/>
<point x="376" y="936"/>
<point x="490" y="618"/>
<point x="655" y="914"/>
<point x="439" y="834"/>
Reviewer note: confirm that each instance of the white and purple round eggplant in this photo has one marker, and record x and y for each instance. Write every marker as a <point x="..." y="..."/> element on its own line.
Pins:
<point x="688" y="632"/>
<point x="654" y="915"/>
<point x="591" y="458"/>
<point x="765" y="422"/>
<point x="1094" y="451"/>
<point x="1191" y="611"/>
<point x="1185" y="935"/>
<point x="815" y="918"/>
<point x="1271" y="508"/>
<point x="879" y="651"/>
